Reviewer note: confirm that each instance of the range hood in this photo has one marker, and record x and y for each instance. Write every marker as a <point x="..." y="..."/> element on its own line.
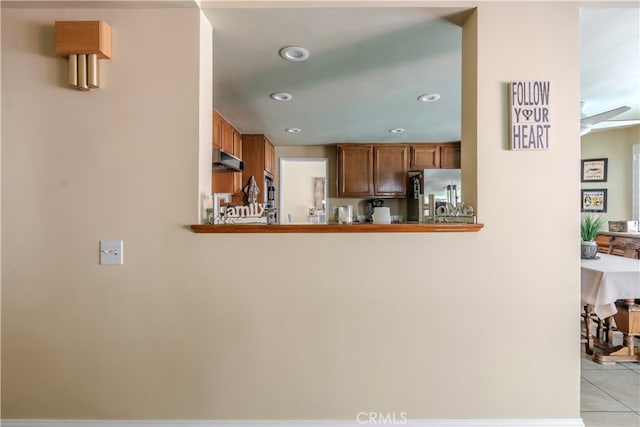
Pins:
<point x="225" y="162"/>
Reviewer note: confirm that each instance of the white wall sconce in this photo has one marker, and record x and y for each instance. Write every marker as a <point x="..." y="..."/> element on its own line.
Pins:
<point x="83" y="43"/>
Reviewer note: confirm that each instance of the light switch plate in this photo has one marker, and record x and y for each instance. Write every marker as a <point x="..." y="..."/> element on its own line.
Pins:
<point x="111" y="252"/>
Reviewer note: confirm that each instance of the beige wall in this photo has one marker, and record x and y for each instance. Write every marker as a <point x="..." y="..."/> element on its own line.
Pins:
<point x="205" y="129"/>
<point x="0" y="207"/>
<point x="616" y="146"/>
<point x="479" y="325"/>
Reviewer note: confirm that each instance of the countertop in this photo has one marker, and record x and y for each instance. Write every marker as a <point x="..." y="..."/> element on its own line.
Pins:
<point x="403" y="227"/>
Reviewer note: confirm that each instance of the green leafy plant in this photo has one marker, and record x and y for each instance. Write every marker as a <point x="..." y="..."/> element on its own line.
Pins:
<point x="590" y="226"/>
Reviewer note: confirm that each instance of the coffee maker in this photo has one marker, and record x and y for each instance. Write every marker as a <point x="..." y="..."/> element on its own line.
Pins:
<point x="371" y="205"/>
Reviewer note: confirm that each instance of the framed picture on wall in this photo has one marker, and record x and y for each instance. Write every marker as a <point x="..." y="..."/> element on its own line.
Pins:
<point x="594" y="170"/>
<point x="594" y="200"/>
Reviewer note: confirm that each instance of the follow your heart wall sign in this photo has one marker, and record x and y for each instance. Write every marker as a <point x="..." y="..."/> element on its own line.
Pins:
<point x="530" y="123"/>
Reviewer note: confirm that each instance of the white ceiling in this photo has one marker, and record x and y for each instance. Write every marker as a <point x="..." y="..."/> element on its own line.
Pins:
<point x="610" y="61"/>
<point x="369" y="65"/>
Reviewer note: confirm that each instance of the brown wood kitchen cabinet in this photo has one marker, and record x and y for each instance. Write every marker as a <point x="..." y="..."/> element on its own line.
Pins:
<point x="223" y="134"/>
<point x="237" y="144"/>
<point x="390" y="170"/>
<point x="355" y="170"/>
<point x="372" y="170"/>
<point x="269" y="157"/>
<point x="217" y="130"/>
<point x="424" y="156"/>
<point x="228" y="139"/>
<point x="259" y="159"/>
<point x="434" y="156"/>
<point x="450" y="156"/>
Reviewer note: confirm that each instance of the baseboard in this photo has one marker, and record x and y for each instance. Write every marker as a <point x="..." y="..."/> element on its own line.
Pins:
<point x="563" y="422"/>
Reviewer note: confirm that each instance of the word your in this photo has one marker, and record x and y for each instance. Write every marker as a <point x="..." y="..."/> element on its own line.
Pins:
<point x="538" y="114"/>
<point x="530" y="121"/>
<point x="379" y="418"/>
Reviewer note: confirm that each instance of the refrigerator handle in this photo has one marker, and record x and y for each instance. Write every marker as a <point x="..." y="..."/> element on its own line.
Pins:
<point x="415" y="182"/>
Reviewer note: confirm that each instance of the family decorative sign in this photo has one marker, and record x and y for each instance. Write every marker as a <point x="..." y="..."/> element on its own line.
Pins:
<point x="252" y="214"/>
<point x="529" y="113"/>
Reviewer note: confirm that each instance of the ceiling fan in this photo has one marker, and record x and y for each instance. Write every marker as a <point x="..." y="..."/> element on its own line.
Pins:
<point x="600" y="120"/>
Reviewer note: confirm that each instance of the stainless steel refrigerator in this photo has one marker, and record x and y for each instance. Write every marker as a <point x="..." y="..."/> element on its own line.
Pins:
<point x="439" y="182"/>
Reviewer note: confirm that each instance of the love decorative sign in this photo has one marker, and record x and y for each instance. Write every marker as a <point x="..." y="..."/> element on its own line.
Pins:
<point x="529" y="106"/>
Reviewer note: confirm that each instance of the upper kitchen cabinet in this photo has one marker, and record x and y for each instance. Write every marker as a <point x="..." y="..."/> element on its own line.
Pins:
<point x="434" y="156"/>
<point x="225" y="136"/>
<point x="237" y="144"/>
<point x="258" y="155"/>
<point x="390" y="170"/>
<point x="424" y="156"/>
<point x="217" y="130"/>
<point x="228" y="139"/>
<point x="450" y="156"/>
<point x="368" y="170"/>
<point x="355" y="170"/>
<point x="269" y="157"/>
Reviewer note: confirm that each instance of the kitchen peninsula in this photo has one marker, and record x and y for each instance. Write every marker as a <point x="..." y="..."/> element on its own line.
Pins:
<point x="339" y="228"/>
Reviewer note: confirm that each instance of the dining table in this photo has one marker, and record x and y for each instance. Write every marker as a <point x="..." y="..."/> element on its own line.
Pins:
<point x="610" y="293"/>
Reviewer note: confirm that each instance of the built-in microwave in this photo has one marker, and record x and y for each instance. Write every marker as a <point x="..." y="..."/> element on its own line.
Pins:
<point x="269" y="193"/>
<point x="270" y="201"/>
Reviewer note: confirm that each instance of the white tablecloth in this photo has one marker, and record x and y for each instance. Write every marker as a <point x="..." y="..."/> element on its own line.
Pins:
<point x="608" y="279"/>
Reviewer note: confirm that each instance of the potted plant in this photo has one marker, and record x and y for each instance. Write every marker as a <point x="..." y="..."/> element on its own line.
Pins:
<point x="590" y="226"/>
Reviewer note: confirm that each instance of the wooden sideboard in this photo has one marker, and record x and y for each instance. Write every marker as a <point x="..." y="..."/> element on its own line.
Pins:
<point x="623" y="244"/>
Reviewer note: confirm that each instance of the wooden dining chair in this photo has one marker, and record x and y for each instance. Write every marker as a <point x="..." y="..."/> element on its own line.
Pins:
<point x="604" y="242"/>
<point x="596" y="331"/>
<point x="616" y="247"/>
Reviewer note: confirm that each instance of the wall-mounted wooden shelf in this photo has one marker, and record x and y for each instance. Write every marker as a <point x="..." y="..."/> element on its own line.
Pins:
<point x="339" y="228"/>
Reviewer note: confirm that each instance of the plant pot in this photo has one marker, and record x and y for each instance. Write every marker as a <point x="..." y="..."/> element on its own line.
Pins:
<point x="589" y="249"/>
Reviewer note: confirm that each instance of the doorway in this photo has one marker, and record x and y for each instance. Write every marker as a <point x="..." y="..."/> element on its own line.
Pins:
<point x="303" y="190"/>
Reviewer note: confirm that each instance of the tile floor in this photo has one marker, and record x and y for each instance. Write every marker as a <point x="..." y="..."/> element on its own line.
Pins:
<point x="609" y="394"/>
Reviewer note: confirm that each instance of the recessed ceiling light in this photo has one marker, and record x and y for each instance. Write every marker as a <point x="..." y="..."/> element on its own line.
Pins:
<point x="281" y="96"/>
<point x="293" y="130"/>
<point x="396" y="130"/>
<point x="294" y="53"/>
<point x="429" y="97"/>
